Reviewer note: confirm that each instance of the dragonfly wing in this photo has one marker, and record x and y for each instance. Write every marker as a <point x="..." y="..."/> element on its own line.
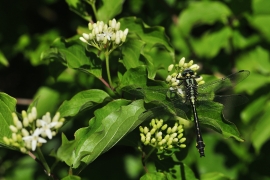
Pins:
<point x="224" y="83"/>
<point x="230" y="102"/>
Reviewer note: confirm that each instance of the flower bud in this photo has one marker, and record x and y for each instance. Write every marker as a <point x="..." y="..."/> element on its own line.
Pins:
<point x="164" y="127"/>
<point x="117" y="26"/>
<point x="141" y="129"/>
<point x="181" y="62"/>
<point x="190" y="63"/>
<point x="145" y="130"/>
<point x="182" y="146"/>
<point x="170" y="67"/>
<point x="13" y="128"/>
<point x="168" y="79"/>
<point x="153" y="140"/>
<point x="90" y="26"/>
<point x="182" y="140"/>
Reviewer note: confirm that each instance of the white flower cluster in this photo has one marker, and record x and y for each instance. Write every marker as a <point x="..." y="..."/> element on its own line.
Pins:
<point x="177" y="70"/>
<point x="161" y="136"/>
<point x="105" y="35"/>
<point x="30" y="132"/>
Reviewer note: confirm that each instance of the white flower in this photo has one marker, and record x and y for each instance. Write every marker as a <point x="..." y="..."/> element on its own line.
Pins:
<point x="34" y="139"/>
<point x="46" y="127"/>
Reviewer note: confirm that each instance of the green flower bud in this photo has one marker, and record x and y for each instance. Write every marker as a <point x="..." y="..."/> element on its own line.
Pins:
<point x="25" y="122"/>
<point x="181" y="62"/>
<point x="167" y="137"/>
<point x="148" y="135"/>
<point x="182" y="146"/>
<point x="174" y="129"/>
<point x="145" y="130"/>
<point x="13" y="128"/>
<point x="190" y="63"/>
<point x="180" y="135"/>
<point x="141" y="129"/>
<point x="170" y="147"/>
<point x="6" y="140"/>
<point x="170" y="67"/>
<point x="169" y="130"/>
<point x="153" y="131"/>
<point x="168" y="79"/>
<point x="182" y="140"/>
<point x="153" y="140"/>
<point x="164" y="127"/>
<point x="173" y="135"/>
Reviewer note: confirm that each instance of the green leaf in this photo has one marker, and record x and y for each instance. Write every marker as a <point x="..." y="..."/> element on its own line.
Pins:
<point x="210" y="114"/>
<point x="154" y="176"/>
<point x="253" y="109"/>
<point x="79" y="8"/>
<point x="258" y="22"/>
<point x="83" y="100"/>
<point x="7" y="104"/>
<point x="131" y="53"/>
<point x="202" y="12"/>
<point x="214" y="176"/>
<point x="136" y="76"/>
<point x="109" y="9"/>
<point x="173" y="169"/>
<point x="109" y="125"/>
<point x="256" y="59"/>
<point x="151" y="36"/>
<point x="261" y="134"/>
<point x="261" y="7"/>
<point x="3" y="59"/>
<point x="71" y="177"/>
<point x="218" y="40"/>
<point x="74" y="55"/>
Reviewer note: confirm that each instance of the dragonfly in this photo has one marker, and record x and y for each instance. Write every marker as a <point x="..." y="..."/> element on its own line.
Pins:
<point x="188" y="94"/>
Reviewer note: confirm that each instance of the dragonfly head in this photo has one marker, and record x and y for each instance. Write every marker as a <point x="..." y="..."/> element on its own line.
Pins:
<point x="187" y="73"/>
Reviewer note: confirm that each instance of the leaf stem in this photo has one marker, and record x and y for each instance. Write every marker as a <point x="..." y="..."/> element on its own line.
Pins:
<point x="92" y="3"/>
<point x="43" y="161"/>
<point x="148" y="155"/>
<point x="107" y="56"/>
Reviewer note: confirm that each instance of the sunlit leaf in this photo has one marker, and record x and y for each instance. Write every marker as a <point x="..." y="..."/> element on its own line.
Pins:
<point x="109" y="125"/>
<point x="82" y="100"/>
<point x="7" y="104"/>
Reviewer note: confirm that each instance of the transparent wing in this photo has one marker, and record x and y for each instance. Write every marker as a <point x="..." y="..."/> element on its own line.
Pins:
<point x="224" y="83"/>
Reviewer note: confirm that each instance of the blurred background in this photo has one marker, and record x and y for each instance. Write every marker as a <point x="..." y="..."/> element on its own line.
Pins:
<point x="221" y="36"/>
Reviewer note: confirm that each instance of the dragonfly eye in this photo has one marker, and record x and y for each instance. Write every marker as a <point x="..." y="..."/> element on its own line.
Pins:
<point x="187" y="72"/>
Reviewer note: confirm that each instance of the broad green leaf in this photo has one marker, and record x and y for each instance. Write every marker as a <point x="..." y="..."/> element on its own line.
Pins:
<point x="79" y="7"/>
<point x="218" y="41"/>
<point x="258" y="22"/>
<point x="131" y="53"/>
<point x="154" y="176"/>
<point x="214" y="176"/>
<point x="109" y="9"/>
<point x="202" y="12"/>
<point x="81" y="101"/>
<point x="261" y="134"/>
<point x="74" y="55"/>
<point x="3" y="59"/>
<point x="151" y="36"/>
<point x="253" y="109"/>
<point x="109" y="125"/>
<point x="260" y="7"/>
<point x="71" y="177"/>
<point x="241" y="42"/>
<point x="7" y="104"/>
<point x="256" y="59"/>
<point x="133" y="76"/>
<point x="173" y="168"/>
